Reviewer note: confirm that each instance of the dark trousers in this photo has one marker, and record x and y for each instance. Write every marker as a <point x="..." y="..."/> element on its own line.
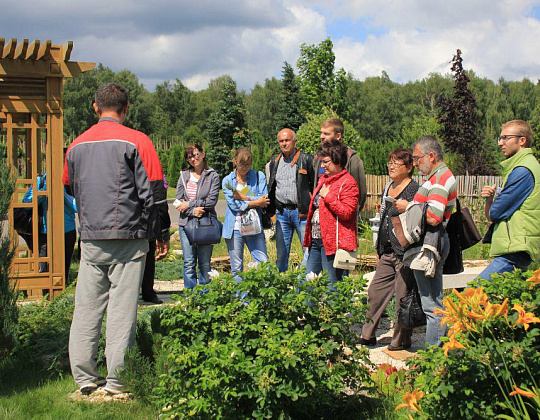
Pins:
<point x="391" y="276"/>
<point x="69" y="245"/>
<point x="149" y="272"/>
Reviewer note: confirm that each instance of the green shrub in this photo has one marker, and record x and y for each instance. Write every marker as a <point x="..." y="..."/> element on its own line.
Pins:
<point x="488" y="353"/>
<point x="8" y="295"/>
<point x="285" y="350"/>
<point x="44" y="330"/>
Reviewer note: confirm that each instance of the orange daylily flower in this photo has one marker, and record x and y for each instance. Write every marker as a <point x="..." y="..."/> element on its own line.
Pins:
<point x="535" y="279"/>
<point x="524" y="318"/>
<point x="411" y="401"/>
<point x="524" y="393"/>
<point x="452" y="344"/>
<point x="497" y="310"/>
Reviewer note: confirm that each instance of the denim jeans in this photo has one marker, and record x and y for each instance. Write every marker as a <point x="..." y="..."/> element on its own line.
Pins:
<point x="256" y="245"/>
<point x="506" y="264"/>
<point x="431" y="295"/>
<point x="317" y="260"/>
<point x="192" y="255"/>
<point x="288" y="222"/>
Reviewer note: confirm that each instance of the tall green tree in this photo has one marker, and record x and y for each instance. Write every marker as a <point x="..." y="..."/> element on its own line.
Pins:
<point x="263" y="105"/>
<point x="227" y="129"/>
<point x="290" y="113"/>
<point x="173" y="109"/>
<point x="320" y="85"/>
<point x="79" y="93"/>
<point x="460" y="123"/>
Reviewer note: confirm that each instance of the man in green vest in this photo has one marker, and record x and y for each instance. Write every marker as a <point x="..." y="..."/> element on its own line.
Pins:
<point x="515" y="211"/>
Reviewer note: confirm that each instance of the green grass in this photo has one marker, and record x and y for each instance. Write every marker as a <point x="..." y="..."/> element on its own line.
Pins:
<point x="29" y="393"/>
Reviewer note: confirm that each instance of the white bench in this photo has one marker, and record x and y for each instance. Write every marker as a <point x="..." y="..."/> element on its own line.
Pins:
<point x="450" y="281"/>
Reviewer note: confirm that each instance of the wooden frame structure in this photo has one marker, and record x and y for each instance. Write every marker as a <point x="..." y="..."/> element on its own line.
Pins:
<point x="31" y="122"/>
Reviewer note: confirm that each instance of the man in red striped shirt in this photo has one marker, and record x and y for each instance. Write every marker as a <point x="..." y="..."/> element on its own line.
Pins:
<point x="439" y="192"/>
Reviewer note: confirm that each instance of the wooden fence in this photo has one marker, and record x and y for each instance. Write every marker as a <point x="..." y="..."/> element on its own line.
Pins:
<point x="468" y="188"/>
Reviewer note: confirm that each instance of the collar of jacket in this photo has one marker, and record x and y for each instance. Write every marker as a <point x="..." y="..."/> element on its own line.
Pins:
<point x="293" y="161"/>
<point x="325" y="179"/>
<point x="513" y="160"/>
<point x="110" y="119"/>
<point x="438" y="167"/>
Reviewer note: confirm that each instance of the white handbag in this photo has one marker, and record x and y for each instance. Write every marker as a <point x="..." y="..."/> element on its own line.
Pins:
<point x="250" y="223"/>
<point x="344" y="260"/>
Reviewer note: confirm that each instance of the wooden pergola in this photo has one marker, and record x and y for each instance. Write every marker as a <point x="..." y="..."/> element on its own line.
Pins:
<point x="31" y="123"/>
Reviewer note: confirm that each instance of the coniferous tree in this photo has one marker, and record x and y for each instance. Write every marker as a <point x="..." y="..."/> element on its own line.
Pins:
<point x="8" y="295"/>
<point x="290" y="114"/>
<point x="226" y="130"/>
<point x="458" y="115"/>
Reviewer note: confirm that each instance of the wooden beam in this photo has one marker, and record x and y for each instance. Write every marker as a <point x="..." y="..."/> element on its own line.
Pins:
<point x="40" y="69"/>
<point x="33" y="49"/>
<point x="9" y="48"/>
<point x="67" y="48"/>
<point x="2" y="43"/>
<point x="44" y="50"/>
<point x="20" y="51"/>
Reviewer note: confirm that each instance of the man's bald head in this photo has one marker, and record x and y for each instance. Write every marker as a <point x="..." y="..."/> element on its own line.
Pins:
<point x="286" y="139"/>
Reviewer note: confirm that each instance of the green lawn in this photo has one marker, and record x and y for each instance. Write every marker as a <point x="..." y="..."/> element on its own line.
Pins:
<point x="27" y="392"/>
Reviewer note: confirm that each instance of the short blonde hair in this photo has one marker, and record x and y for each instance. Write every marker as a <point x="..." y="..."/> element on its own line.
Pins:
<point x="523" y="128"/>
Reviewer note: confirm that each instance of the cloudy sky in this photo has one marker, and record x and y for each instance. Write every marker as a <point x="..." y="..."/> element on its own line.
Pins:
<point x="196" y="41"/>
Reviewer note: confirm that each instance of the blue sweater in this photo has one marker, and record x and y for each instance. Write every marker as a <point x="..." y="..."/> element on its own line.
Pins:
<point x="518" y="187"/>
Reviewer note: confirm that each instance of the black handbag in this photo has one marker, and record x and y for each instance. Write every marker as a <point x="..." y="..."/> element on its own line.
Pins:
<point x="462" y="233"/>
<point x="410" y="313"/>
<point x="265" y="217"/>
<point x="205" y="230"/>
<point x="22" y="220"/>
<point x="266" y="220"/>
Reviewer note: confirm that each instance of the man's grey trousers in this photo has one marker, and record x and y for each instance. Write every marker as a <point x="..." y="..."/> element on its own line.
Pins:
<point x="113" y="288"/>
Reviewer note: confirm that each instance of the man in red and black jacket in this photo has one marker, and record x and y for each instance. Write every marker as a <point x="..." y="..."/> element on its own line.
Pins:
<point x="117" y="180"/>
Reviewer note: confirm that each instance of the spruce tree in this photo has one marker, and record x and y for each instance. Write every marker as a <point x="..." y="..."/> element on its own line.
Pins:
<point x="227" y="130"/>
<point x="290" y="115"/>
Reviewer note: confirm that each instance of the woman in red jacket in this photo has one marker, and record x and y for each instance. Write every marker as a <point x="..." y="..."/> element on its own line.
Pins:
<point x="333" y="209"/>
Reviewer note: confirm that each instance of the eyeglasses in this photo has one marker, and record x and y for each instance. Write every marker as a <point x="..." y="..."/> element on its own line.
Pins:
<point x="194" y="156"/>
<point x="244" y="165"/>
<point x="416" y="159"/>
<point x="394" y="164"/>
<point x="506" y="137"/>
<point x="326" y="162"/>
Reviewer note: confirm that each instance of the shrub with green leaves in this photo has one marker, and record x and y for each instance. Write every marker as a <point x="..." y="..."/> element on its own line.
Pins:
<point x="492" y="348"/>
<point x="8" y="294"/>
<point x="285" y="350"/>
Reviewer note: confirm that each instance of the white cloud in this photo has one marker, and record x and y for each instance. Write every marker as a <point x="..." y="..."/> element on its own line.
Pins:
<point x="250" y="39"/>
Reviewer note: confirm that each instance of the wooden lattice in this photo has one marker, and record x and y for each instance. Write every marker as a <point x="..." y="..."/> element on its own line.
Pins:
<point x="31" y="123"/>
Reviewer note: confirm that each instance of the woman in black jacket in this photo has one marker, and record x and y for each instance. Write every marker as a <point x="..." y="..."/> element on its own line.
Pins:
<point x="391" y="276"/>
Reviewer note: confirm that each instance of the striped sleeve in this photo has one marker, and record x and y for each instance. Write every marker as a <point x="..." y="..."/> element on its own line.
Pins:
<point x="440" y="193"/>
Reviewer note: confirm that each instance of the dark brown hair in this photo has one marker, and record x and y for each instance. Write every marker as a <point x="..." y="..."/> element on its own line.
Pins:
<point x="189" y="150"/>
<point x="403" y="155"/>
<point x="111" y="96"/>
<point x="335" y="150"/>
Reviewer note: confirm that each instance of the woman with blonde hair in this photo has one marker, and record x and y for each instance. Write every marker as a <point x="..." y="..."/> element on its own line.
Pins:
<point x="246" y="192"/>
